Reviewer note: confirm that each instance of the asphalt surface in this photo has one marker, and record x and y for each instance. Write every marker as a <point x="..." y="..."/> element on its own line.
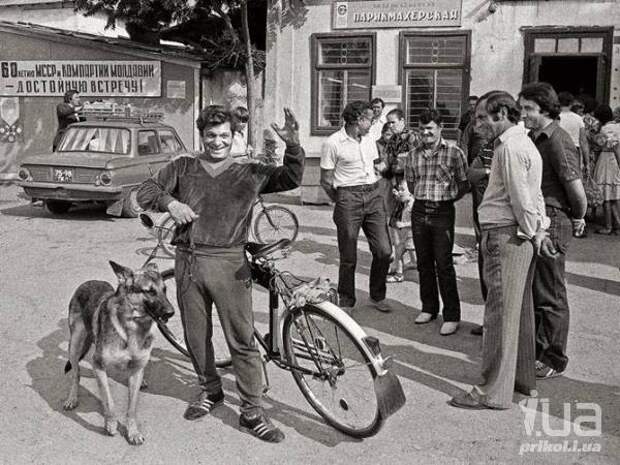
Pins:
<point x="43" y="258"/>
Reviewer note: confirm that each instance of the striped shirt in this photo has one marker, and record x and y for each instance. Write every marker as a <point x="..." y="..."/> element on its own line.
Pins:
<point x="436" y="173"/>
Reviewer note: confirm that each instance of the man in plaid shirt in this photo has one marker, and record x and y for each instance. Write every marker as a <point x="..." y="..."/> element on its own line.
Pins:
<point x="435" y="172"/>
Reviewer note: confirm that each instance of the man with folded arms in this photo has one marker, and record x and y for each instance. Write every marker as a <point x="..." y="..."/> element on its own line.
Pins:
<point x="513" y="222"/>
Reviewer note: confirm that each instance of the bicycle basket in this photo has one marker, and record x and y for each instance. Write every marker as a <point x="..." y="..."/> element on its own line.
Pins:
<point x="297" y="292"/>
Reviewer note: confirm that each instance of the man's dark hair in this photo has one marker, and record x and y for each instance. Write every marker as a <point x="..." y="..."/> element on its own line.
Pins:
<point x="386" y="127"/>
<point x="566" y="98"/>
<point x="472" y="97"/>
<point x="354" y="110"/>
<point x="544" y="95"/>
<point x="429" y="115"/>
<point x="603" y="113"/>
<point x="495" y="100"/>
<point x="214" y="115"/>
<point x="378" y="100"/>
<point x="589" y="103"/>
<point x="69" y="95"/>
<point x="396" y="111"/>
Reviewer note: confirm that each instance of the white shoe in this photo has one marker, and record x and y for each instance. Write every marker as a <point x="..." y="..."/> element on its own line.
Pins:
<point x="424" y="318"/>
<point x="449" y="327"/>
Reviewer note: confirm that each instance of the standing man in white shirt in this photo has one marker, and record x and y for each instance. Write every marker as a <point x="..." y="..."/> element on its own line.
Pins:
<point x="349" y="179"/>
<point x="570" y="121"/>
<point x="378" y="120"/>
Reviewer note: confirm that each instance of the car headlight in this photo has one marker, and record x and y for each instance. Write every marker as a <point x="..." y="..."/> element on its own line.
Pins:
<point x="24" y="174"/>
<point x="105" y="178"/>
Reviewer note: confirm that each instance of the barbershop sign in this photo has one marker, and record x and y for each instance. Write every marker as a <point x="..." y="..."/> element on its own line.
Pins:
<point x="396" y="13"/>
<point x="89" y="78"/>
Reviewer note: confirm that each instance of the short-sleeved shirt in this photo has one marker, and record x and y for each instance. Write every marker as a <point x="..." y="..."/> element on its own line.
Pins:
<point x="352" y="161"/>
<point x="436" y="173"/>
<point x="571" y="122"/>
<point x="560" y="164"/>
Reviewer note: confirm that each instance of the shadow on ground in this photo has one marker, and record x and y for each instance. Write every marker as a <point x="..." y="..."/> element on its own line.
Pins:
<point x="167" y="374"/>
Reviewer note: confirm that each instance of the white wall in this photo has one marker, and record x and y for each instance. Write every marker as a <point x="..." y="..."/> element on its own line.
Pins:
<point x="496" y="61"/>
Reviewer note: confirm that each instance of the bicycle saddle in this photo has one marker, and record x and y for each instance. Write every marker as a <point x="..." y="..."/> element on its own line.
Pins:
<point x="262" y="250"/>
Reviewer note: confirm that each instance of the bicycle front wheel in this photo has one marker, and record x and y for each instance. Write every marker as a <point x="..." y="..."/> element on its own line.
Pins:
<point x="173" y="328"/>
<point x="274" y="223"/>
<point x="341" y="386"/>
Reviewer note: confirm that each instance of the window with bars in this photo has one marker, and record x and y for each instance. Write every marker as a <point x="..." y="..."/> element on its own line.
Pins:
<point x="342" y="72"/>
<point x="436" y="75"/>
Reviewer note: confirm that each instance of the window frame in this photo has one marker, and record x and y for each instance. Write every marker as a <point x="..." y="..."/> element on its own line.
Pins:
<point x="145" y="130"/>
<point x="315" y="39"/>
<point x="174" y="135"/>
<point x="404" y="67"/>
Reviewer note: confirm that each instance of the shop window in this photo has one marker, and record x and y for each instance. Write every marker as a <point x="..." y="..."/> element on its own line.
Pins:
<point x="436" y="75"/>
<point x="342" y="72"/>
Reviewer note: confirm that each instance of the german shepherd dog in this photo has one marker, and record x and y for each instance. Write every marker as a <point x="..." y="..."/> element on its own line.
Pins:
<point x="121" y="325"/>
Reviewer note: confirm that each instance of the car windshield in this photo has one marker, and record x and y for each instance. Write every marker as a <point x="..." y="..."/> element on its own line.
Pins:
<point x="98" y="140"/>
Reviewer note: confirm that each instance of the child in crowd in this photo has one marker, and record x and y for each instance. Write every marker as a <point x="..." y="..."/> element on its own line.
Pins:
<point x="400" y="230"/>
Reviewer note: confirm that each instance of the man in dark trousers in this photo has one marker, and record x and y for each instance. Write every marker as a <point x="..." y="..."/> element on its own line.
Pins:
<point x="565" y="204"/>
<point x="68" y="112"/>
<point x="210" y="197"/>
<point x="349" y="179"/>
<point x="436" y="173"/>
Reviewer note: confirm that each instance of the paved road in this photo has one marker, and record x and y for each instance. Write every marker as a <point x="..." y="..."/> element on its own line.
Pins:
<point x="43" y="258"/>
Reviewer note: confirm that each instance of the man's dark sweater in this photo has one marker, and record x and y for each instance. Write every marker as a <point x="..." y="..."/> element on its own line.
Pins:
<point x="223" y="199"/>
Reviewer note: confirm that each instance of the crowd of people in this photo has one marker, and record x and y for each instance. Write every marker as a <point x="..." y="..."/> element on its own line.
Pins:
<point x="528" y="163"/>
<point x="535" y="165"/>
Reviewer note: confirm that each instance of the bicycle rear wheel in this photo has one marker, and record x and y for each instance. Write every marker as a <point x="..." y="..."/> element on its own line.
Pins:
<point x="341" y="389"/>
<point x="173" y="328"/>
<point x="274" y="223"/>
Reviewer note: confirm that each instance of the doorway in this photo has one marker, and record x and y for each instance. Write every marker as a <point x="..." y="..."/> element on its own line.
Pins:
<point x="574" y="74"/>
<point x="572" y="59"/>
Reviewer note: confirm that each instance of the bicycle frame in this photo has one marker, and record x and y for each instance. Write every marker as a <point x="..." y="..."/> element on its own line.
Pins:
<point x="271" y="343"/>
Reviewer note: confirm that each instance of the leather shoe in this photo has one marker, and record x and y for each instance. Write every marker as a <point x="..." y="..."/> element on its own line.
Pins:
<point x="477" y="330"/>
<point x="424" y="318"/>
<point x="381" y="305"/>
<point x="467" y="401"/>
<point x="449" y="327"/>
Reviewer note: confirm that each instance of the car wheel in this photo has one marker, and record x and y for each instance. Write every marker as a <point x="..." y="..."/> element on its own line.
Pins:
<point x="131" y="209"/>
<point x="57" y="207"/>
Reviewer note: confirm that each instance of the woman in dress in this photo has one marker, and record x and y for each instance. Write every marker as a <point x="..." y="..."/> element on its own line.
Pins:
<point x="607" y="169"/>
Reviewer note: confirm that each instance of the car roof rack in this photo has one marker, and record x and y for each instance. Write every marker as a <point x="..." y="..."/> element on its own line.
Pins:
<point x="132" y="116"/>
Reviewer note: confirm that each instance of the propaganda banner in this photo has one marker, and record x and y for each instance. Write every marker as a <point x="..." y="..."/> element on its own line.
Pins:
<point x="42" y="78"/>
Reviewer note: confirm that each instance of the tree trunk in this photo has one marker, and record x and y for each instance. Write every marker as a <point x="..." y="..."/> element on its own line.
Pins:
<point x="249" y="76"/>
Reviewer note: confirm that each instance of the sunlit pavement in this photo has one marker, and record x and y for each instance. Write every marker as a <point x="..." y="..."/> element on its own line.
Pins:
<point x="44" y="258"/>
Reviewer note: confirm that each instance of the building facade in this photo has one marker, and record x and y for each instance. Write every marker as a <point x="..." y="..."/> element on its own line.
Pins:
<point x="432" y="53"/>
<point x="39" y="64"/>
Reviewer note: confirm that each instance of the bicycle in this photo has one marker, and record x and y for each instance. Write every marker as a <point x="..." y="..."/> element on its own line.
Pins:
<point x="339" y="369"/>
<point x="270" y="224"/>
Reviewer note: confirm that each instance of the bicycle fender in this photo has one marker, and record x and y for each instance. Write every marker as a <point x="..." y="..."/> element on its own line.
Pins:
<point x="356" y="330"/>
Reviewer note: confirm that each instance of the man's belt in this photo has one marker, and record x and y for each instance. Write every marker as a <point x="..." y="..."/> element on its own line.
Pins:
<point x="361" y="187"/>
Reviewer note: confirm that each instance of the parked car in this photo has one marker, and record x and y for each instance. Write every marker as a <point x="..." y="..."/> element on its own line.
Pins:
<point x="100" y="161"/>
